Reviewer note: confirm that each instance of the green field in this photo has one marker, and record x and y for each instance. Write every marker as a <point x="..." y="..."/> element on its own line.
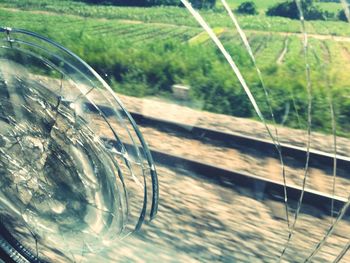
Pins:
<point x="180" y="16"/>
<point x="143" y="51"/>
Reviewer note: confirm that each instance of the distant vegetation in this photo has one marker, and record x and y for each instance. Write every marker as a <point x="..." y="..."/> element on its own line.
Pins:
<point x="342" y="17"/>
<point x="289" y="9"/>
<point x="148" y="3"/>
<point x="147" y="57"/>
<point x="332" y="1"/>
<point x="247" y="8"/>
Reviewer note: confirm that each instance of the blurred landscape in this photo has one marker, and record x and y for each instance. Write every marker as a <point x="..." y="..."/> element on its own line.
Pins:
<point x="302" y="92"/>
<point x="144" y="51"/>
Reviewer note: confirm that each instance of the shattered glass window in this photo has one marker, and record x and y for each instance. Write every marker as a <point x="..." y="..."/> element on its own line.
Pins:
<point x="74" y="179"/>
<point x="175" y="131"/>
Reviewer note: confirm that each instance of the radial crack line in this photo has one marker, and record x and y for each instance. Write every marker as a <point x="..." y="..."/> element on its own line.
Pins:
<point x="309" y="121"/>
<point x="329" y="232"/>
<point x="267" y="96"/>
<point x="333" y="126"/>
<point x="229" y="59"/>
<point x="342" y="253"/>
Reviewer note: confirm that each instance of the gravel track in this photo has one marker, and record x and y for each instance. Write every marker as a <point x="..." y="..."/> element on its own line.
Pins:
<point x="200" y="221"/>
<point x="245" y="160"/>
<point x="157" y="108"/>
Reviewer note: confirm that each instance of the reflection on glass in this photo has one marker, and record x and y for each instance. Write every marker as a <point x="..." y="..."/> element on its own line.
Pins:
<point x="73" y="181"/>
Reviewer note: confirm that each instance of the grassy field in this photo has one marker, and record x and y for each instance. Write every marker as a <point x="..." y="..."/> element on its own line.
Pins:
<point x="180" y="16"/>
<point x="143" y="52"/>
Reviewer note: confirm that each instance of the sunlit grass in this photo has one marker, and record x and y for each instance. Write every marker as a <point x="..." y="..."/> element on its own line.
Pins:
<point x="144" y="51"/>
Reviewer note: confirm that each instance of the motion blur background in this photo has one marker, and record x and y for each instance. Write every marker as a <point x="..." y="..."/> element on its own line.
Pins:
<point x="193" y="109"/>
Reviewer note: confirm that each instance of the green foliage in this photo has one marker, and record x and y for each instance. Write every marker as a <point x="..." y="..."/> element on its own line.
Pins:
<point x="148" y="3"/>
<point x="332" y="1"/>
<point x="178" y="16"/>
<point x="289" y="9"/>
<point x="342" y="16"/>
<point x="142" y="59"/>
<point x="203" y="3"/>
<point x="248" y="8"/>
<point x="132" y="2"/>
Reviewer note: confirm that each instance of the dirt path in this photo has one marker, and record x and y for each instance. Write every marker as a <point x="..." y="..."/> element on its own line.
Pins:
<point x="129" y="21"/>
<point x="283" y="52"/>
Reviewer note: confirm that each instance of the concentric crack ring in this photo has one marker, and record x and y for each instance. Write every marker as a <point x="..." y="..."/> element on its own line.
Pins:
<point x="74" y="178"/>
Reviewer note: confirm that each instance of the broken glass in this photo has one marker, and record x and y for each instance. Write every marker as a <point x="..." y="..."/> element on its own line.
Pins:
<point x="73" y="181"/>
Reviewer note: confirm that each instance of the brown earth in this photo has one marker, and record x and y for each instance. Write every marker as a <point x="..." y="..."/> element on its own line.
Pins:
<point x="202" y="222"/>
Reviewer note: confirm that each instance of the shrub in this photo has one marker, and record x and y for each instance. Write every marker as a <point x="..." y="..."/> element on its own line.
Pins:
<point x="285" y="9"/>
<point x="248" y="8"/>
<point x="289" y="9"/>
<point x="342" y="16"/>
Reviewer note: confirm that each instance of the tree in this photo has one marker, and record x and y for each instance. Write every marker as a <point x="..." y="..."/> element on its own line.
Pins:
<point x="248" y="8"/>
<point x="342" y="16"/>
<point x="290" y="9"/>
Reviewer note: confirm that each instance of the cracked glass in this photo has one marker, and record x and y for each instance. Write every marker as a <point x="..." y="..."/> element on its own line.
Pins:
<point x="243" y="112"/>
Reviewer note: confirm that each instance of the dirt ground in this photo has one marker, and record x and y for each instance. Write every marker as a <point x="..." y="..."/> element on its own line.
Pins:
<point x="247" y="161"/>
<point x="244" y="160"/>
<point x="202" y="222"/>
<point x="161" y="109"/>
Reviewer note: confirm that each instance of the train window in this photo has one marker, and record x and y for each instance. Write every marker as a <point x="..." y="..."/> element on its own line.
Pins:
<point x="174" y="131"/>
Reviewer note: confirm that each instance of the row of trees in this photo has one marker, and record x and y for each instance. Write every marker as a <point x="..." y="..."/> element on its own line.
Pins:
<point x="310" y="11"/>
<point x="285" y="9"/>
<point x="332" y="1"/>
<point x="147" y="3"/>
<point x="289" y="9"/>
